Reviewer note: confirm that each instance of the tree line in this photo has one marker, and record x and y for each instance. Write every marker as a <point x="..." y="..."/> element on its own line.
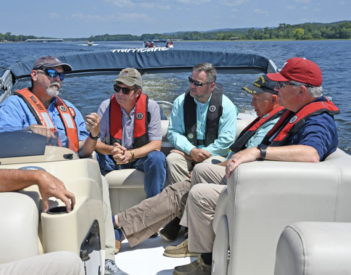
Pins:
<point x="306" y="31"/>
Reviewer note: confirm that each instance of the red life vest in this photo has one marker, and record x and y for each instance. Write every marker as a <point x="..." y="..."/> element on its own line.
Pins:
<point x="298" y="120"/>
<point x="252" y="128"/>
<point x="141" y="121"/>
<point x="42" y="117"/>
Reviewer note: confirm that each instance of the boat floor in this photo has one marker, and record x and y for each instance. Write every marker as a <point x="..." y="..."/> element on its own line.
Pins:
<point x="147" y="258"/>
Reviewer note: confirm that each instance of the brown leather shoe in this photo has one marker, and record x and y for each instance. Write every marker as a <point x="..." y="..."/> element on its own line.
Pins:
<point x="179" y="251"/>
<point x="117" y="246"/>
<point x="197" y="267"/>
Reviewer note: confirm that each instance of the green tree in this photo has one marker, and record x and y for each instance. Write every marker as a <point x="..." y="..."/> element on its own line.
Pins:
<point x="299" y="33"/>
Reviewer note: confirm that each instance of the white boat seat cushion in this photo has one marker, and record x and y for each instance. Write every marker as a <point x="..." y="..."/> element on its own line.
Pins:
<point x="314" y="248"/>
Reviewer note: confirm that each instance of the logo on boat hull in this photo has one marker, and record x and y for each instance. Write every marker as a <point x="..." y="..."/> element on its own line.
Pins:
<point x="139" y="116"/>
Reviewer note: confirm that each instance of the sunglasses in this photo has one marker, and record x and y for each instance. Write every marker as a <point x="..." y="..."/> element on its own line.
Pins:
<point x="52" y="73"/>
<point x="197" y="83"/>
<point x="125" y="91"/>
<point x="283" y="84"/>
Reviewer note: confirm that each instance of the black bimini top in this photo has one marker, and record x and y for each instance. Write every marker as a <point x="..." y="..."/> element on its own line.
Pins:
<point x="153" y="60"/>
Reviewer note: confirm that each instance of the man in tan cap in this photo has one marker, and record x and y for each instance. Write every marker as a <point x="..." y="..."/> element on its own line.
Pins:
<point x="131" y="134"/>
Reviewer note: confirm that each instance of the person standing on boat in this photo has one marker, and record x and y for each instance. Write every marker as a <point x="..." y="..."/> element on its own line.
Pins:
<point x="202" y="124"/>
<point x="306" y="132"/>
<point x="131" y="133"/>
<point x="169" y="204"/>
<point x="39" y="109"/>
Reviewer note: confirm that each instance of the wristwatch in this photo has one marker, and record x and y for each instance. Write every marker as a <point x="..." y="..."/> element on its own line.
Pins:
<point x="94" y="138"/>
<point x="132" y="153"/>
<point x="263" y="150"/>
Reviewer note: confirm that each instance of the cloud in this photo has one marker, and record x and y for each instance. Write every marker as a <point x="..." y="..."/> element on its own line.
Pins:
<point x="193" y="1"/>
<point x="303" y="1"/>
<point x="233" y="2"/>
<point x="290" y="7"/>
<point x="119" y="3"/>
<point x="317" y="10"/>
<point x="167" y="7"/>
<point x="259" y="11"/>
<point x="136" y="17"/>
<point x="304" y="20"/>
<point x="147" y="5"/>
<point x="54" y="15"/>
<point x="234" y="10"/>
<point x="304" y="8"/>
<point x="342" y="3"/>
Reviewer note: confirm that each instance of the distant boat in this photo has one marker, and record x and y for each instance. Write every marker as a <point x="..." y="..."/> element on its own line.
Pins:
<point x="90" y="43"/>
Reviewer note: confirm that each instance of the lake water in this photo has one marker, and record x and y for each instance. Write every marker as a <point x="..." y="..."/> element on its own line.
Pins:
<point x="333" y="57"/>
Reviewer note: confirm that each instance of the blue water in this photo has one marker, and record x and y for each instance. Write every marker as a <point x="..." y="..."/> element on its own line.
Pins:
<point x="333" y="57"/>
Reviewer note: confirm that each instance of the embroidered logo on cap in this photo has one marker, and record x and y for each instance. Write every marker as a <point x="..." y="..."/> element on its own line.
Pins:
<point x="125" y="73"/>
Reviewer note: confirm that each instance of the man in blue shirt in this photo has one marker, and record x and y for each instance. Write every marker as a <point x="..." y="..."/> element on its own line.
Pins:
<point x="306" y="132"/>
<point x="202" y="124"/>
<point x="40" y="110"/>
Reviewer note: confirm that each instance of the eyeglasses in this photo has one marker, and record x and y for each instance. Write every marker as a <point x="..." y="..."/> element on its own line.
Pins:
<point x="52" y="73"/>
<point x="197" y="83"/>
<point x="125" y="91"/>
<point x="283" y="84"/>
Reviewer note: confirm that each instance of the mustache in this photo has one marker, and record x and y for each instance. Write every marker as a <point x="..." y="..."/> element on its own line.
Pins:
<point x="55" y="84"/>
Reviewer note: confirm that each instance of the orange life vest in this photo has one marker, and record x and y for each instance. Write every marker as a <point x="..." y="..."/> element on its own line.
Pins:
<point x="142" y="119"/>
<point x="297" y="121"/>
<point x="42" y="117"/>
<point x="251" y="129"/>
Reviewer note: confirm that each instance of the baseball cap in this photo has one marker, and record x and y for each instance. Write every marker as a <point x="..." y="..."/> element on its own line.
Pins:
<point x="301" y="70"/>
<point x="51" y="62"/>
<point x="261" y="85"/>
<point x="129" y="77"/>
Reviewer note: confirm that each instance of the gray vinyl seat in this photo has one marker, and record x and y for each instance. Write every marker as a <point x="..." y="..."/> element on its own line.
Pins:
<point x="263" y="197"/>
<point x="314" y="248"/>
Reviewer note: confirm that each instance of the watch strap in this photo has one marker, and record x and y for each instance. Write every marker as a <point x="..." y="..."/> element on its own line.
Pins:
<point x="94" y="138"/>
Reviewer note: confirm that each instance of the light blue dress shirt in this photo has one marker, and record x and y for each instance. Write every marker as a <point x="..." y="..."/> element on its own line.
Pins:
<point x="15" y="115"/>
<point x="226" y="130"/>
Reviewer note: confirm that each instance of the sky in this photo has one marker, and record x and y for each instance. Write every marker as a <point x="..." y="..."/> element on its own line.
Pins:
<point x="77" y="18"/>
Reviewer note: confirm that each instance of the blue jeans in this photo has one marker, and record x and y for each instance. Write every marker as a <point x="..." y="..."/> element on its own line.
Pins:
<point x="154" y="166"/>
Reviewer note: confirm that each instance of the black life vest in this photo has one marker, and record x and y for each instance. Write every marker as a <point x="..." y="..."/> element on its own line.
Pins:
<point x="141" y="121"/>
<point x="42" y="117"/>
<point x="252" y="128"/>
<point x="214" y="113"/>
<point x="324" y="105"/>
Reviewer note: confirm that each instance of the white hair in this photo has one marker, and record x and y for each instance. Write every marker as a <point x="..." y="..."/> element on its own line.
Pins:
<point x="312" y="90"/>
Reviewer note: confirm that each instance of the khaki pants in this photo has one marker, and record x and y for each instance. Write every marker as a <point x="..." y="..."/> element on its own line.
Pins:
<point x="55" y="263"/>
<point x="141" y="221"/>
<point x="178" y="167"/>
<point x="109" y="230"/>
<point x="198" y="216"/>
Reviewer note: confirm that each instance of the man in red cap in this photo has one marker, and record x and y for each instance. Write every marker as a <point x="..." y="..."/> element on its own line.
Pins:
<point x="307" y="132"/>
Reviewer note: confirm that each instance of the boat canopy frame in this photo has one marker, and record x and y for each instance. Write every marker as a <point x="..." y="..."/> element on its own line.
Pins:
<point x="146" y="60"/>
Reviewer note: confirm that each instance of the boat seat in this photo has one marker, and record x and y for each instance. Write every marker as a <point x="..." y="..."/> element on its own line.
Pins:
<point x="263" y="197"/>
<point x="127" y="185"/>
<point x="314" y="248"/>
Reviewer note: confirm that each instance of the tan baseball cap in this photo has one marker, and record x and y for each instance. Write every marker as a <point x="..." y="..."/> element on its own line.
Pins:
<point x="51" y="62"/>
<point x="129" y="77"/>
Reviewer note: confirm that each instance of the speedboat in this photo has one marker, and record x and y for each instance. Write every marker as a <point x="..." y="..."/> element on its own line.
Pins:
<point x="262" y="198"/>
<point x="90" y="43"/>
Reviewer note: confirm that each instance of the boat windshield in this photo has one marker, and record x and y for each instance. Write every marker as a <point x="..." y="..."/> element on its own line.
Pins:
<point x="16" y="143"/>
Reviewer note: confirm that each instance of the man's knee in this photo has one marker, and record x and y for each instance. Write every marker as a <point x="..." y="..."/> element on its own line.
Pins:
<point x="173" y="158"/>
<point x="201" y="168"/>
<point x="157" y="157"/>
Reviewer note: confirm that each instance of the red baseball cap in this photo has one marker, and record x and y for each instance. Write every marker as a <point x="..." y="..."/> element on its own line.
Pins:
<point x="299" y="69"/>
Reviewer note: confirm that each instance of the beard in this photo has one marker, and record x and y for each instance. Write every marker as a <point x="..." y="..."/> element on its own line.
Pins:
<point x="53" y="89"/>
